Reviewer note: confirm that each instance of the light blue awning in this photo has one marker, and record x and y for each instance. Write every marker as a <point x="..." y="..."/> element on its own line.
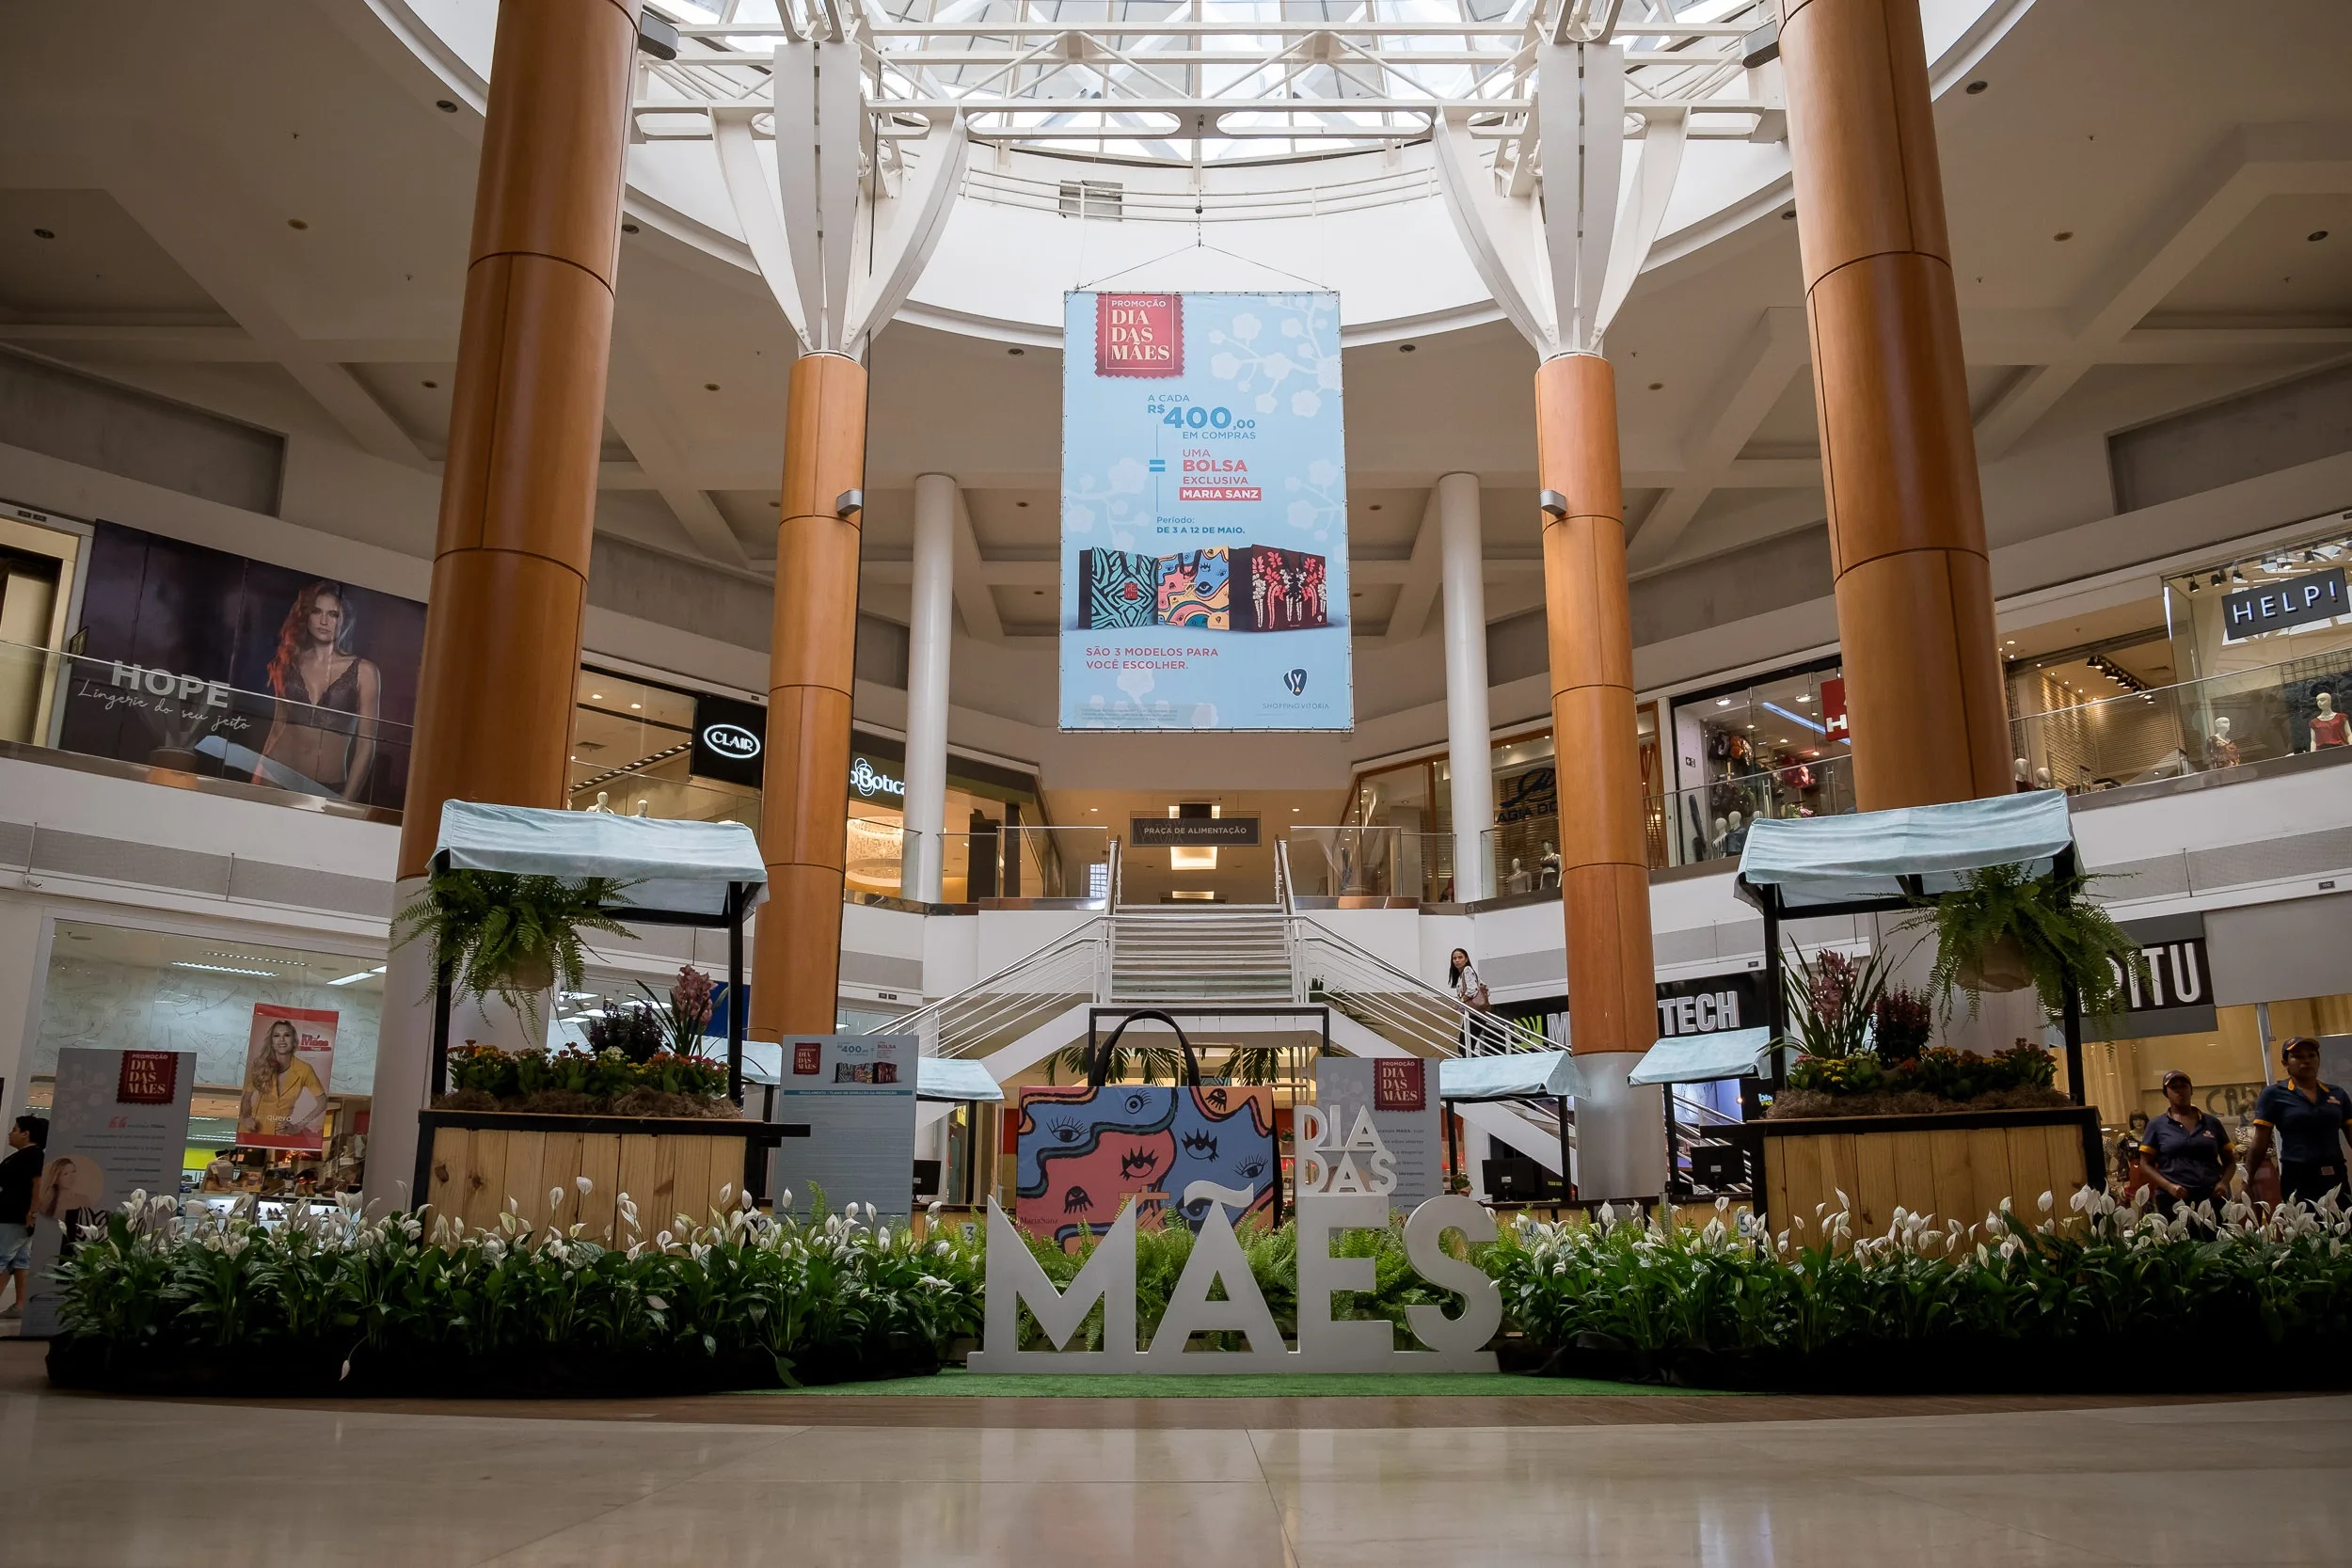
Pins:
<point x="1701" y="1058"/>
<point x="677" y="867"/>
<point x="1509" y="1075"/>
<point x="1817" y="861"/>
<point x="954" y="1078"/>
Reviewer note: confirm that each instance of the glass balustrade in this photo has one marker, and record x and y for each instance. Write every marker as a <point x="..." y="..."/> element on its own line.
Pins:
<point x="2209" y="725"/>
<point x="133" y="713"/>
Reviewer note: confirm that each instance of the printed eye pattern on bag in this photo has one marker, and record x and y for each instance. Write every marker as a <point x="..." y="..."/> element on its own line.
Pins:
<point x="1081" y="1153"/>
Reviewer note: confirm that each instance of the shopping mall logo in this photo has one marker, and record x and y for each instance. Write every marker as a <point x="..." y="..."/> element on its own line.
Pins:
<point x="732" y="740"/>
<point x="1296" y="680"/>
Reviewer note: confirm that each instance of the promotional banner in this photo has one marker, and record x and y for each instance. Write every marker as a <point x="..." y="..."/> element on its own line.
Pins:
<point x="1204" y="514"/>
<point x="847" y="1106"/>
<point x="289" y="1062"/>
<point x="1082" y="1152"/>
<point x="118" y="1125"/>
<point x="1401" y="1094"/>
<point x="211" y="663"/>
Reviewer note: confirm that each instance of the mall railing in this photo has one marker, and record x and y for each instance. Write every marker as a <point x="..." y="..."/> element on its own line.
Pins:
<point x="1709" y="821"/>
<point x="1371" y="860"/>
<point x="2215" y="724"/>
<point x="1026" y="994"/>
<point x="146" y="715"/>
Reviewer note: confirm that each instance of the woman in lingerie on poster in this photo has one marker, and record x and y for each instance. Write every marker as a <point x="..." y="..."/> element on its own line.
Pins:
<point x="328" y="697"/>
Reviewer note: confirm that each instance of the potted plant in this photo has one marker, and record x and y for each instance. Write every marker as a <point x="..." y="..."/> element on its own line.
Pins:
<point x="680" y="1017"/>
<point x="495" y="933"/>
<point x="2005" y="930"/>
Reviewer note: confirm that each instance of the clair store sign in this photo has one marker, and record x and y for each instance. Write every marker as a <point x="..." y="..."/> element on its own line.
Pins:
<point x="1344" y="1183"/>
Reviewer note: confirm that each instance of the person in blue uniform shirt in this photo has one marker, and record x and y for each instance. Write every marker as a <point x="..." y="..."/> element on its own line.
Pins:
<point x="2306" y="1118"/>
<point x="2185" y="1150"/>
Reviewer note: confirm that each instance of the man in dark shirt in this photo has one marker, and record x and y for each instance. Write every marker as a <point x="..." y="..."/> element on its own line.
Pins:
<point x="2185" y="1151"/>
<point x="18" y="1173"/>
<point x="2307" y="1118"/>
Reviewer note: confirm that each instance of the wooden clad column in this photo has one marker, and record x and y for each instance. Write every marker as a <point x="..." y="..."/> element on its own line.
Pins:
<point x="510" y="569"/>
<point x="803" y="817"/>
<point x="1604" y="870"/>
<point x="1906" y="521"/>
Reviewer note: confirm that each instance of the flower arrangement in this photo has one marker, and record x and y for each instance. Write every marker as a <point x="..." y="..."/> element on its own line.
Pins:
<point x="2089" y="1300"/>
<point x="1936" y="1079"/>
<point x="634" y="1031"/>
<point x="595" y="1083"/>
<point x="166" y="1294"/>
<point x="1830" y="1000"/>
<point x="1900" y="1025"/>
<point x="684" y="1012"/>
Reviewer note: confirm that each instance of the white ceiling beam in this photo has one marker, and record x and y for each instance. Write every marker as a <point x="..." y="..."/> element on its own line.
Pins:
<point x="1421" y="578"/>
<point x="633" y="404"/>
<point x="976" y="601"/>
<point x="2256" y="162"/>
<point x="1773" y="353"/>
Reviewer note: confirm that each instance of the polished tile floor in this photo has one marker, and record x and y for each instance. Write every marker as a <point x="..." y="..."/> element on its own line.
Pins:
<point x="138" y="1482"/>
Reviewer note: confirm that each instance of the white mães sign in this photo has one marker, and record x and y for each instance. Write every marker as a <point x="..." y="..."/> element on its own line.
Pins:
<point x="1344" y="1183"/>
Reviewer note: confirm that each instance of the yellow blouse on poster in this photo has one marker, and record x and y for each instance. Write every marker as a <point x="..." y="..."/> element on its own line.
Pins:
<point x="273" y="1107"/>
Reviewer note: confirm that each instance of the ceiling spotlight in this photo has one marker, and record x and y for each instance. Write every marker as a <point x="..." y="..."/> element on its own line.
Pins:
<point x="1788" y="215"/>
<point x="1016" y="352"/>
<point x="710" y="386"/>
<point x="44" y="233"/>
<point x="2063" y="235"/>
<point x="445" y="105"/>
<point x="1407" y="348"/>
<point x="1723" y="702"/>
<point x="657" y="36"/>
<point x="1975" y="87"/>
<point x="629" y="229"/>
<point x="2316" y="235"/>
<point x="296" y="223"/>
<point x="432" y="385"/>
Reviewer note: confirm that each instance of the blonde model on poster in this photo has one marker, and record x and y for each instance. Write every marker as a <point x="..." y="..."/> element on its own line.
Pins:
<point x="275" y="1084"/>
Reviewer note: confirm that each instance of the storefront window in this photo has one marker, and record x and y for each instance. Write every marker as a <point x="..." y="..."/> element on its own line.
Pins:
<point x="1774" y="747"/>
<point x="2098" y="716"/>
<point x="2264" y="646"/>
<point x="633" y="753"/>
<point x="110" y="987"/>
<point x="2229" y="1063"/>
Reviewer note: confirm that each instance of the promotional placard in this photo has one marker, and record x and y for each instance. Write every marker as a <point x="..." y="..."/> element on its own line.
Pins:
<point x="289" y="1062"/>
<point x="1204" y="514"/>
<point x="846" y="1104"/>
<point x="1400" y="1095"/>
<point x="118" y="1125"/>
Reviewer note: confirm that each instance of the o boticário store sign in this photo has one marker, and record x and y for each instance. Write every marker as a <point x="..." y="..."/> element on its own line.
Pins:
<point x="1343" y="1182"/>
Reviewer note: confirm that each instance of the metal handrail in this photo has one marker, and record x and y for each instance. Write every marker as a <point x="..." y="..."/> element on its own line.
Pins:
<point x="1015" y="998"/>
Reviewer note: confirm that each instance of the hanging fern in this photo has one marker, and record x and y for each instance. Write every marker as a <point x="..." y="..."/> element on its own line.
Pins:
<point x="488" y="929"/>
<point x="2057" y="929"/>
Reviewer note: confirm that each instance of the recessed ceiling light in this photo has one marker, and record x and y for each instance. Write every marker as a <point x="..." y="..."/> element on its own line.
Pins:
<point x="1723" y="702"/>
<point x="224" y="969"/>
<point x="44" y="233"/>
<point x="629" y="229"/>
<point x="1806" y="698"/>
<point x="1788" y="214"/>
<point x="2316" y="235"/>
<point x="2063" y="235"/>
<point x="1016" y="352"/>
<point x="1656" y="386"/>
<point x="1407" y="348"/>
<point x="1978" y="87"/>
<point x="710" y="386"/>
<point x="1375" y="506"/>
<point x="445" y="105"/>
<point x="296" y="223"/>
<point x="1021" y="503"/>
<point x="432" y="385"/>
<point x="637" y="704"/>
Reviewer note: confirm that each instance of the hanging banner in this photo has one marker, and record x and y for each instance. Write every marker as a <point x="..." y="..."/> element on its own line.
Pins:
<point x="289" y="1062"/>
<point x="1204" y="514"/>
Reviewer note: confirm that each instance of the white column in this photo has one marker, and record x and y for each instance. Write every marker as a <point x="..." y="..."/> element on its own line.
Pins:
<point x="930" y="625"/>
<point x="1470" y="757"/>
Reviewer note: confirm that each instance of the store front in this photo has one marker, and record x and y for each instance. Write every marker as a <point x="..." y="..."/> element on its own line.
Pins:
<point x="1776" y="745"/>
<point x="2099" y="715"/>
<point x="280" y="1128"/>
<point x="2265" y="644"/>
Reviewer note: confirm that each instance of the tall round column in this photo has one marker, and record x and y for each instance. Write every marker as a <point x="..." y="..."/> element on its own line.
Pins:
<point x="1470" y="747"/>
<point x="495" y="694"/>
<point x="1604" y="868"/>
<point x="930" y="625"/>
<point x="1899" y="455"/>
<point x="803" y="815"/>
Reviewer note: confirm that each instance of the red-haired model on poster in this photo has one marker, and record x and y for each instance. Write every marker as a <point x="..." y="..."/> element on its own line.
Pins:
<point x="327" y="696"/>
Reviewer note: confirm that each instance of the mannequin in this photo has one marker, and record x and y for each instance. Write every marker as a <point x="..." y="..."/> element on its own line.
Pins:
<point x="2041" y="779"/>
<point x="1737" y="839"/>
<point x="599" y="806"/>
<point x="1518" y="881"/>
<point x="1718" y="842"/>
<point x="2330" y="728"/>
<point x="2020" y="771"/>
<point x="2220" y="751"/>
<point x="642" y="805"/>
<point x="1548" y="866"/>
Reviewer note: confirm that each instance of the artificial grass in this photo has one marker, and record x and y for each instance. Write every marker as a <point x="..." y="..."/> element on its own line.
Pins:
<point x="955" y="1384"/>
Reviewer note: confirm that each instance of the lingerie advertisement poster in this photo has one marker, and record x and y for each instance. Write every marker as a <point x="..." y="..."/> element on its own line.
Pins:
<point x="1204" y="514"/>
<point x="212" y="663"/>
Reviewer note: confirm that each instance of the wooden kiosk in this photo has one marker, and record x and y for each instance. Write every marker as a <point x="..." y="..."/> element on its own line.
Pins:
<point x="1958" y="1166"/>
<point x="704" y="875"/>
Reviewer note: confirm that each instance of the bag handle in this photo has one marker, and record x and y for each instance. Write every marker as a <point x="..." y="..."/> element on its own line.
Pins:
<point x="1099" y="1061"/>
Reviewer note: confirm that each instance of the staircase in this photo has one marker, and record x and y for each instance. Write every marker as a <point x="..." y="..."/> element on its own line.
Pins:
<point x="1237" y="953"/>
<point x="1245" y="956"/>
